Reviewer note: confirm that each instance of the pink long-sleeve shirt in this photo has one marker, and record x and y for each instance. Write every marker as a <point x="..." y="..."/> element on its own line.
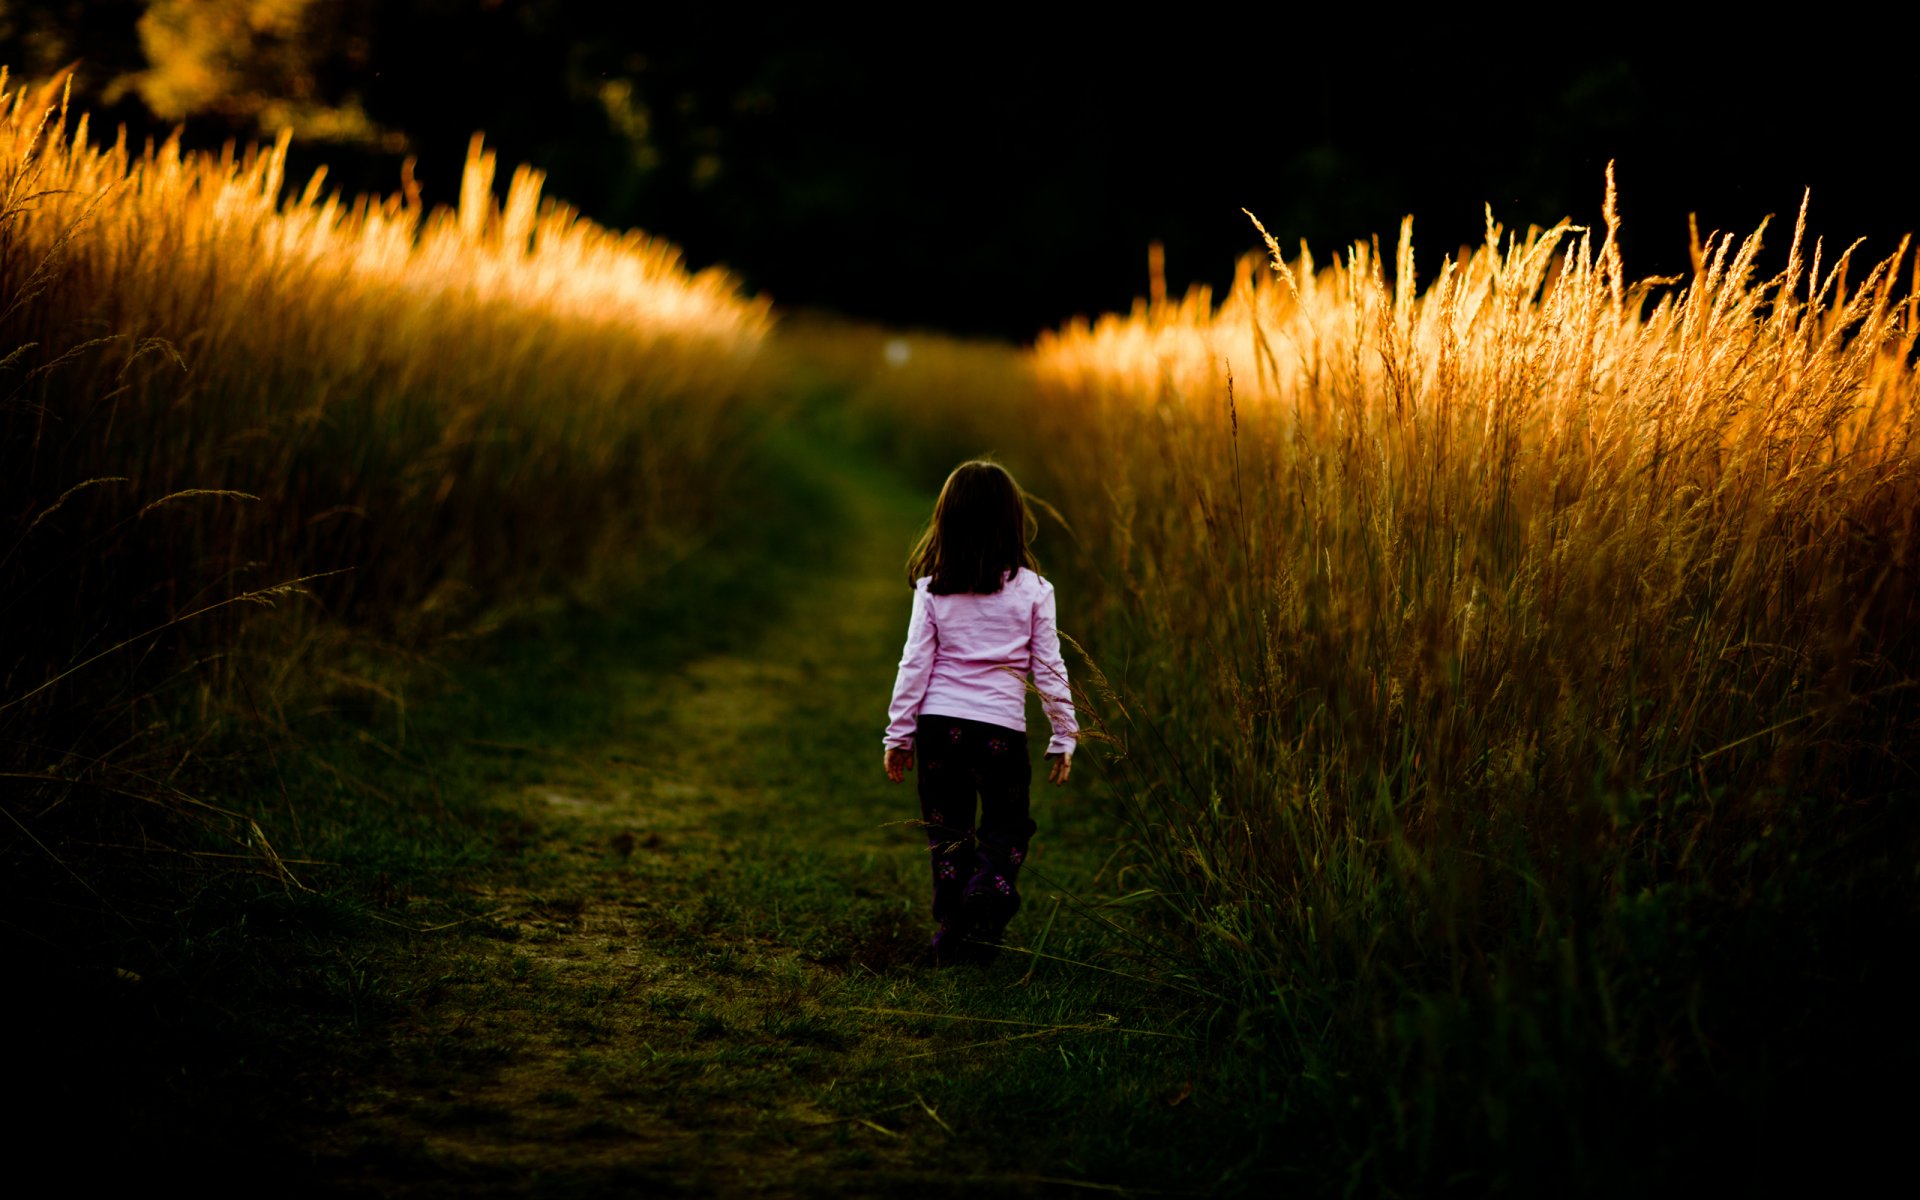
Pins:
<point x="969" y="655"/>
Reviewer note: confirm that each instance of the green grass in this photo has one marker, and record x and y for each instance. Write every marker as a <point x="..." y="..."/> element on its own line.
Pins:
<point x="582" y="909"/>
<point x="616" y="899"/>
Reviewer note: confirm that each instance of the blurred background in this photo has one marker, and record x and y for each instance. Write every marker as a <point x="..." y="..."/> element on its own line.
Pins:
<point x="989" y="176"/>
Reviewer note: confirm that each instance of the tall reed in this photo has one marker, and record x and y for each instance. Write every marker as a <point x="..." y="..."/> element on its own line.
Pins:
<point x="1492" y="648"/>
<point x="227" y="392"/>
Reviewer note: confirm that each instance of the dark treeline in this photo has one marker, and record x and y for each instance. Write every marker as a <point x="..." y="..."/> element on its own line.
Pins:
<point x="1000" y="177"/>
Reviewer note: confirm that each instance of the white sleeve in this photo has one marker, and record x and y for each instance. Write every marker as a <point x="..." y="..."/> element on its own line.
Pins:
<point x="916" y="669"/>
<point x="1050" y="676"/>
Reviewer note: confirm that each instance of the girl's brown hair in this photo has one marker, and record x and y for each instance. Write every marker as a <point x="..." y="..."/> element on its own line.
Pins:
<point x="978" y="534"/>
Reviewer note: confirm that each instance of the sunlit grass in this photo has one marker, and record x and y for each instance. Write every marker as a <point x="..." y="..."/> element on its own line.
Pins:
<point x="1440" y="578"/>
<point x="1505" y="668"/>
<point x="437" y="412"/>
<point x="263" y="447"/>
<point x="1508" y="675"/>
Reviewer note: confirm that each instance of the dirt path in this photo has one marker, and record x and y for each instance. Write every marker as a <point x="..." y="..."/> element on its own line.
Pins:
<point x="707" y="979"/>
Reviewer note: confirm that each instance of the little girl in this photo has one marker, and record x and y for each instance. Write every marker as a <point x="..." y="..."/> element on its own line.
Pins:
<point x="982" y="625"/>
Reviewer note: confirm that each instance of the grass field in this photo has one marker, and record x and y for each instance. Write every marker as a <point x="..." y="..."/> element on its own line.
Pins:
<point x="446" y="655"/>
<point x="227" y="392"/>
<point x="261" y="453"/>
<point x="1519" y="679"/>
<point x="634" y="907"/>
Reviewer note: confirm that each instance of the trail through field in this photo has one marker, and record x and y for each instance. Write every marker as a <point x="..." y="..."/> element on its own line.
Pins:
<point x="707" y="976"/>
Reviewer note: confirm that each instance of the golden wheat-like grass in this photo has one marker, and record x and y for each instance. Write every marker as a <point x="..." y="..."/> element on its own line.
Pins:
<point x="467" y="398"/>
<point x="432" y="410"/>
<point x="1420" y="586"/>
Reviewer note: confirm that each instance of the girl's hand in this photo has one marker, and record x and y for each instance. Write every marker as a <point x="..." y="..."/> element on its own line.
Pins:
<point x="1061" y="768"/>
<point x="899" y="762"/>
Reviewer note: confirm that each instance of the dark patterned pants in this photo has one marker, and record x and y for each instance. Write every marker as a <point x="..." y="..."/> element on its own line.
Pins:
<point x="976" y="863"/>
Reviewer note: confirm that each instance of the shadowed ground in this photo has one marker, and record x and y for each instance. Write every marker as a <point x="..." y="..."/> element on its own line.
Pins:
<point x="701" y="970"/>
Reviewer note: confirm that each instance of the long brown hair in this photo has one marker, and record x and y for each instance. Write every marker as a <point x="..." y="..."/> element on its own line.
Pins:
<point x="979" y="532"/>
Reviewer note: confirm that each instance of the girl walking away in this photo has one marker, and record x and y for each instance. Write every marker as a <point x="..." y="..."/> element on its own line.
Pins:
<point x="982" y="626"/>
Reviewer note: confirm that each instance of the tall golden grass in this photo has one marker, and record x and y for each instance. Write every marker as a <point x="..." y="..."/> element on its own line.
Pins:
<point x="260" y="444"/>
<point x="1535" y="582"/>
<point x="224" y="388"/>
<point x="1497" y="663"/>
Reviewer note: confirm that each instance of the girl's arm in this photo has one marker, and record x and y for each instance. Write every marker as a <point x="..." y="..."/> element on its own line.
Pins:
<point x="1059" y="766"/>
<point x="1050" y="677"/>
<point x="910" y="683"/>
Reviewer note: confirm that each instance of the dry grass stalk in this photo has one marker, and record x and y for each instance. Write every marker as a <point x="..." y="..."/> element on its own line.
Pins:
<point x="1421" y="588"/>
<point x="216" y="388"/>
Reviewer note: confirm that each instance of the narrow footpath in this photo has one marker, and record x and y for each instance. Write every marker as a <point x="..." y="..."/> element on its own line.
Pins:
<point x="706" y="974"/>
